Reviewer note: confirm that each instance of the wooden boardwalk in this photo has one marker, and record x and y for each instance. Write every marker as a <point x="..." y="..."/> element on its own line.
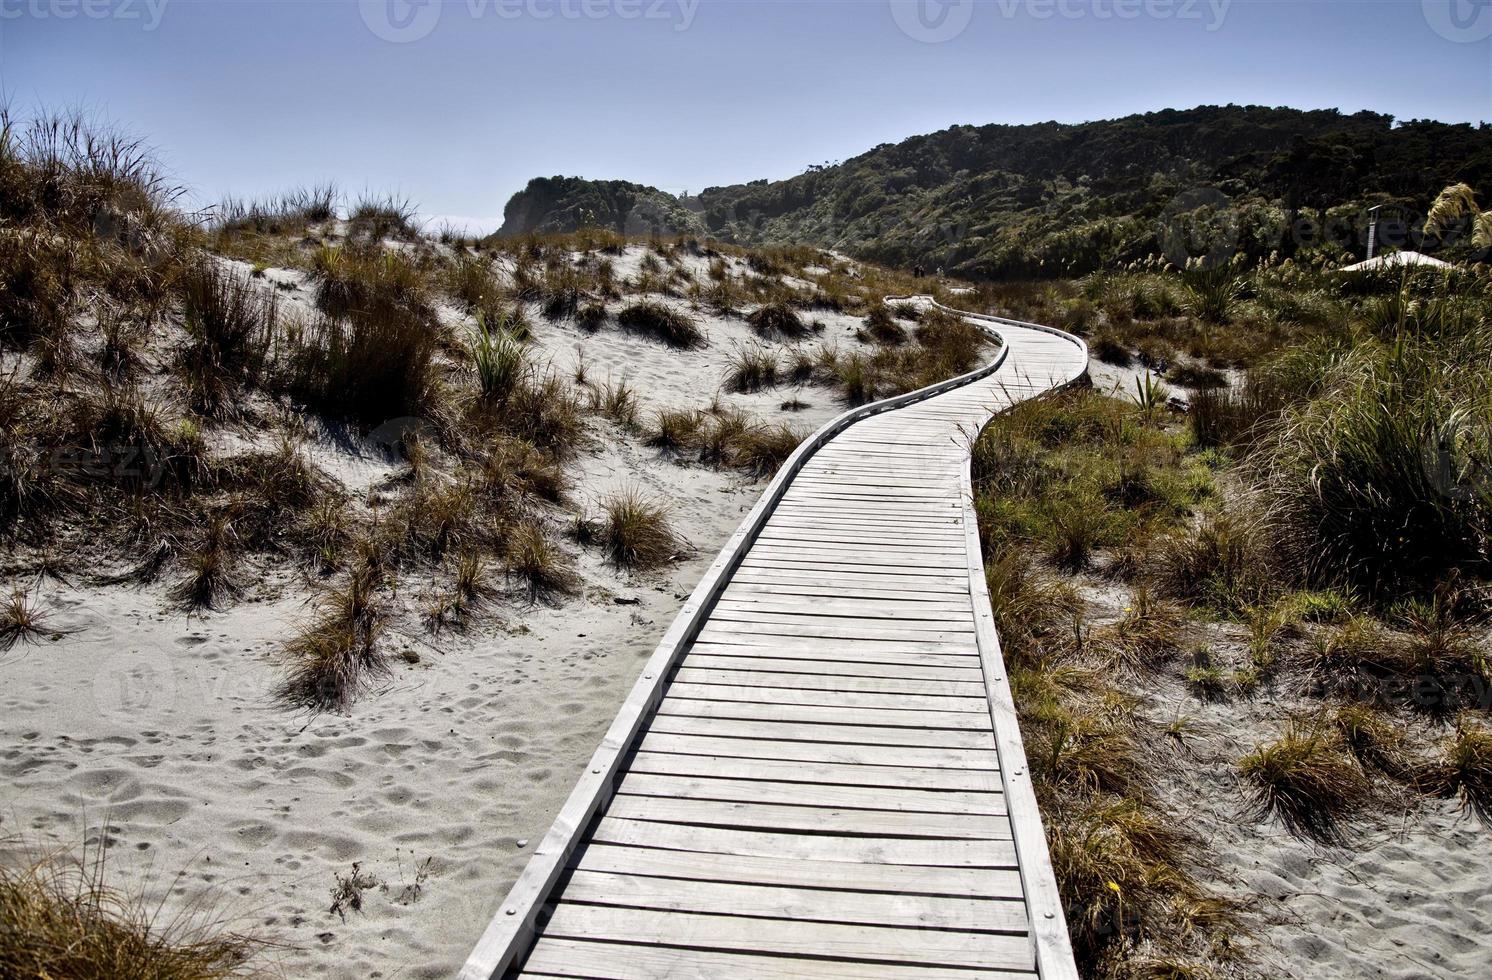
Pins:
<point x="819" y="773"/>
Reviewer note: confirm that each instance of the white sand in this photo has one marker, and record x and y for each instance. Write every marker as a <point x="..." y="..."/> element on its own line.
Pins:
<point x="160" y="724"/>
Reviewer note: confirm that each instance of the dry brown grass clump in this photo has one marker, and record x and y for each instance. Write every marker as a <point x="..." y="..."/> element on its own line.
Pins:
<point x="20" y="619"/>
<point x="61" y="920"/>
<point x="1145" y="637"/>
<point x="335" y="658"/>
<point x="675" y="430"/>
<point x="536" y="561"/>
<point x="654" y="319"/>
<point x="233" y="323"/>
<point x="635" y="533"/>
<point x="882" y="327"/>
<point x="211" y="578"/>
<point x="752" y="369"/>
<point x="1308" y="780"/>
<point x="1464" y="770"/>
<point x="777" y="320"/>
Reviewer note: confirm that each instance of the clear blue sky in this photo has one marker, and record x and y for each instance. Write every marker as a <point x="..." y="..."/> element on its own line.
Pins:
<point x="252" y="96"/>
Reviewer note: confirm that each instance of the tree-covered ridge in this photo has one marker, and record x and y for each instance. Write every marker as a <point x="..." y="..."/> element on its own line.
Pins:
<point x="1052" y="198"/>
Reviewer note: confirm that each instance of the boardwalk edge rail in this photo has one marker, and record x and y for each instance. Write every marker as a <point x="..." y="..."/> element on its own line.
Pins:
<point x="511" y="932"/>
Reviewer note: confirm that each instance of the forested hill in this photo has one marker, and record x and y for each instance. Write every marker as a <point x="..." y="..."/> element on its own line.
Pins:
<point x="1056" y="199"/>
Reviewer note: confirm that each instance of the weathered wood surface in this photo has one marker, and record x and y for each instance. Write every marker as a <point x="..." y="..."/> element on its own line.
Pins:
<point x="819" y="773"/>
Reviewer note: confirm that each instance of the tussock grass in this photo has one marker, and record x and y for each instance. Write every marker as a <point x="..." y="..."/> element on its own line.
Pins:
<point x="1371" y="738"/>
<point x="211" y="577"/>
<point x="499" y="357"/>
<point x="775" y="321"/>
<point x="1225" y="563"/>
<point x="1464" y="770"/>
<point x="635" y="533"/>
<point x="335" y="659"/>
<point x="468" y="594"/>
<point x="385" y="216"/>
<point x="764" y="448"/>
<point x="537" y="562"/>
<point x="289" y="213"/>
<point x="615" y="400"/>
<point x="1145" y="637"/>
<point x="62" y="919"/>
<point x="233" y="323"/>
<point x="752" y="369"/>
<point x="881" y="326"/>
<point x="1308" y="781"/>
<point x="21" y="619"/>
<point x="371" y="358"/>
<point x="675" y="430"/>
<point x="662" y="322"/>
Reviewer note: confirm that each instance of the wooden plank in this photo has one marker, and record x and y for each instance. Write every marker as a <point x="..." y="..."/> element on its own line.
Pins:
<point x="858" y="579"/>
<point x="970" y="721"/>
<point x="702" y="661"/>
<point x="821" y="795"/>
<point x="809" y="819"/>
<point x="629" y="961"/>
<point x="683" y="724"/>
<point x="839" y="569"/>
<point x="785" y="638"/>
<point x="842" y="699"/>
<point x="805" y="623"/>
<point x="758" y="585"/>
<point x="801" y="872"/>
<point x="864" y="755"/>
<point x="817" y="772"/>
<point x="827" y="682"/>
<point x="795" y="904"/>
<point x="868" y="849"/>
<point x="914" y="639"/>
<point x="832" y="650"/>
<point x="809" y="553"/>
<point x="782" y="936"/>
<point x="931" y="609"/>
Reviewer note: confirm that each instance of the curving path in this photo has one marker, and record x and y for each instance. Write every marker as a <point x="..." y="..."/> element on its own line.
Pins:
<point x="819" y="773"/>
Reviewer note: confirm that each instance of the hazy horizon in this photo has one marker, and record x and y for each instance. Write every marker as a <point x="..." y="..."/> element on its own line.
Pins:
<point x="456" y="105"/>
